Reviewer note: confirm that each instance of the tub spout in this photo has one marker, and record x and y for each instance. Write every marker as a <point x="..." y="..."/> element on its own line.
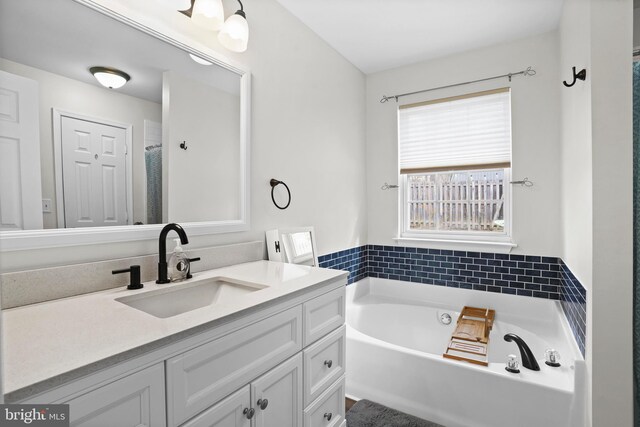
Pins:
<point x="528" y="359"/>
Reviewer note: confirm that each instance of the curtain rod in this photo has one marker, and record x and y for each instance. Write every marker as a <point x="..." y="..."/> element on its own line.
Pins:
<point x="528" y="72"/>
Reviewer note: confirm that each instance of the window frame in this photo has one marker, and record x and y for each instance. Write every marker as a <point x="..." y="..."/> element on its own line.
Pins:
<point x="503" y="238"/>
<point x="455" y="235"/>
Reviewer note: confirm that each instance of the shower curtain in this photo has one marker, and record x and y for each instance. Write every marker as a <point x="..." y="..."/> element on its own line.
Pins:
<point x="636" y="241"/>
<point x="153" y="162"/>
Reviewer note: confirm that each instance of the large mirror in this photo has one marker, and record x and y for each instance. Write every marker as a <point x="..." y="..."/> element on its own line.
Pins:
<point x="81" y="159"/>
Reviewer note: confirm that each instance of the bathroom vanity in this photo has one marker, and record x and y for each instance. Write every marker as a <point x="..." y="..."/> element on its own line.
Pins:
<point x="268" y="350"/>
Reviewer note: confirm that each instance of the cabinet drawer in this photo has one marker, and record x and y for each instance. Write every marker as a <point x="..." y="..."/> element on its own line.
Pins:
<point x="202" y="376"/>
<point x="323" y="314"/>
<point x="136" y="400"/>
<point x="228" y="413"/>
<point x="328" y="409"/>
<point x="323" y="364"/>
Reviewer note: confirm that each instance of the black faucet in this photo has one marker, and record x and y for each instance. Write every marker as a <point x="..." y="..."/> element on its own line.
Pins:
<point x="162" y="249"/>
<point x="528" y="359"/>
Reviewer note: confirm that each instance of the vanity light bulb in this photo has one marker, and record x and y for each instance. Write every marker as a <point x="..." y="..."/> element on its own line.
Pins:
<point x="182" y="4"/>
<point x="208" y="14"/>
<point x="235" y="33"/>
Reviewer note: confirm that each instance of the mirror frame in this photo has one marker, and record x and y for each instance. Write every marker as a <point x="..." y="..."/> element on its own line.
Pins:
<point x="276" y="248"/>
<point x="138" y="19"/>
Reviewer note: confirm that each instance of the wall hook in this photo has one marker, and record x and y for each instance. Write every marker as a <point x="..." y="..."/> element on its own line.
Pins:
<point x="580" y="75"/>
<point x="183" y="145"/>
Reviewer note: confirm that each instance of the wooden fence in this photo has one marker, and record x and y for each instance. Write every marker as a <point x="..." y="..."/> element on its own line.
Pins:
<point x="459" y="201"/>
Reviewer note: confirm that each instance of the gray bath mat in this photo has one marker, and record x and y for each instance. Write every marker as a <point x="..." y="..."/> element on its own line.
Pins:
<point x="365" y="413"/>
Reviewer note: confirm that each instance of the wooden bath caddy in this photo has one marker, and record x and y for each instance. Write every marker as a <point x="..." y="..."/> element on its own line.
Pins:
<point x="470" y="340"/>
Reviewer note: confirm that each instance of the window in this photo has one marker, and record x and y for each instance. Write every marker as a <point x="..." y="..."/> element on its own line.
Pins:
<point x="455" y="164"/>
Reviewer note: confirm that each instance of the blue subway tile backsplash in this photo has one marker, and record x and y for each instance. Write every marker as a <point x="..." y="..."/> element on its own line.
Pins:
<point x="353" y="260"/>
<point x="574" y="304"/>
<point x="525" y="275"/>
<point x="485" y="271"/>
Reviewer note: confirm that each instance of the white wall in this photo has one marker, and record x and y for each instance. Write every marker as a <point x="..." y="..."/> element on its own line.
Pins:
<point x="535" y="129"/>
<point x="307" y="129"/>
<point x="597" y="214"/>
<point x="636" y="27"/>
<point x="208" y="120"/>
<point x="70" y="95"/>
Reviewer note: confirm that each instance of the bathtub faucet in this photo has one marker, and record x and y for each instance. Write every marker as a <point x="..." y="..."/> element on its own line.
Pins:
<point x="528" y="359"/>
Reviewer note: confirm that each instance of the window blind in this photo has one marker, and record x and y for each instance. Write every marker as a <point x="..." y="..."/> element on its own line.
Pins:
<point x="456" y="133"/>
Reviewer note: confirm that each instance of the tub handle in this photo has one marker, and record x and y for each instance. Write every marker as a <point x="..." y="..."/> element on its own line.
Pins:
<point x="328" y="416"/>
<point x="328" y="363"/>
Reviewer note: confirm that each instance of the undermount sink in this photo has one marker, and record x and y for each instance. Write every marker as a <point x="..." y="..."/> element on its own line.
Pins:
<point x="180" y="299"/>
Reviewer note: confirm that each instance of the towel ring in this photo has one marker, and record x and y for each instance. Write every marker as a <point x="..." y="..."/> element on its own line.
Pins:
<point x="274" y="183"/>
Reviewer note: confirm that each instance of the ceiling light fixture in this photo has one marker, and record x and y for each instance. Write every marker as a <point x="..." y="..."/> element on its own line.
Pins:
<point x="110" y="77"/>
<point x="208" y="14"/>
<point x="234" y="34"/>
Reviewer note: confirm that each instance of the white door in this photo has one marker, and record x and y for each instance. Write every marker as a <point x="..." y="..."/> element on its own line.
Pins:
<point x="277" y="395"/>
<point x="20" y="186"/>
<point x="93" y="173"/>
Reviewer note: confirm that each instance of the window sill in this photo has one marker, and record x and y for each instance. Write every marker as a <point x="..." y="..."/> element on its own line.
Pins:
<point x="455" y="244"/>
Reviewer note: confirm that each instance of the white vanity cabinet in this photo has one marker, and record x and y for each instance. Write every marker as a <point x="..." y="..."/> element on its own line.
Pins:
<point x="277" y="366"/>
<point x="281" y="397"/>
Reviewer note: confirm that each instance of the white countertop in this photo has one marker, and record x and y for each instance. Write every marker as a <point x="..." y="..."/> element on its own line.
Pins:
<point x="43" y="342"/>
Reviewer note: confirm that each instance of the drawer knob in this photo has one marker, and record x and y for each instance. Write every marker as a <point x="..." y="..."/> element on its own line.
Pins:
<point x="328" y="363"/>
<point x="263" y="403"/>
<point x="249" y="412"/>
<point x="328" y="416"/>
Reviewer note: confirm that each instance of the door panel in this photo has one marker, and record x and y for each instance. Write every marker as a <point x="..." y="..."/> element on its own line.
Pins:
<point x="83" y="192"/>
<point x="20" y="185"/>
<point x="96" y="194"/>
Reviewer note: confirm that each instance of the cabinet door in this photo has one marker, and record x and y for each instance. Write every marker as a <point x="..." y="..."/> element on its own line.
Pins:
<point x="230" y="412"/>
<point x="133" y="401"/>
<point x="281" y="388"/>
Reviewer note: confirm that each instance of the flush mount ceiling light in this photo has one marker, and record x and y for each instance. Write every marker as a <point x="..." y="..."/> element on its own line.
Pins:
<point x="208" y="14"/>
<point x="110" y="77"/>
<point x="199" y="60"/>
<point x="234" y="34"/>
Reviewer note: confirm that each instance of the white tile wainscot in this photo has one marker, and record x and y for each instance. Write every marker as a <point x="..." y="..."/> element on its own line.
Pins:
<point x="111" y="362"/>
